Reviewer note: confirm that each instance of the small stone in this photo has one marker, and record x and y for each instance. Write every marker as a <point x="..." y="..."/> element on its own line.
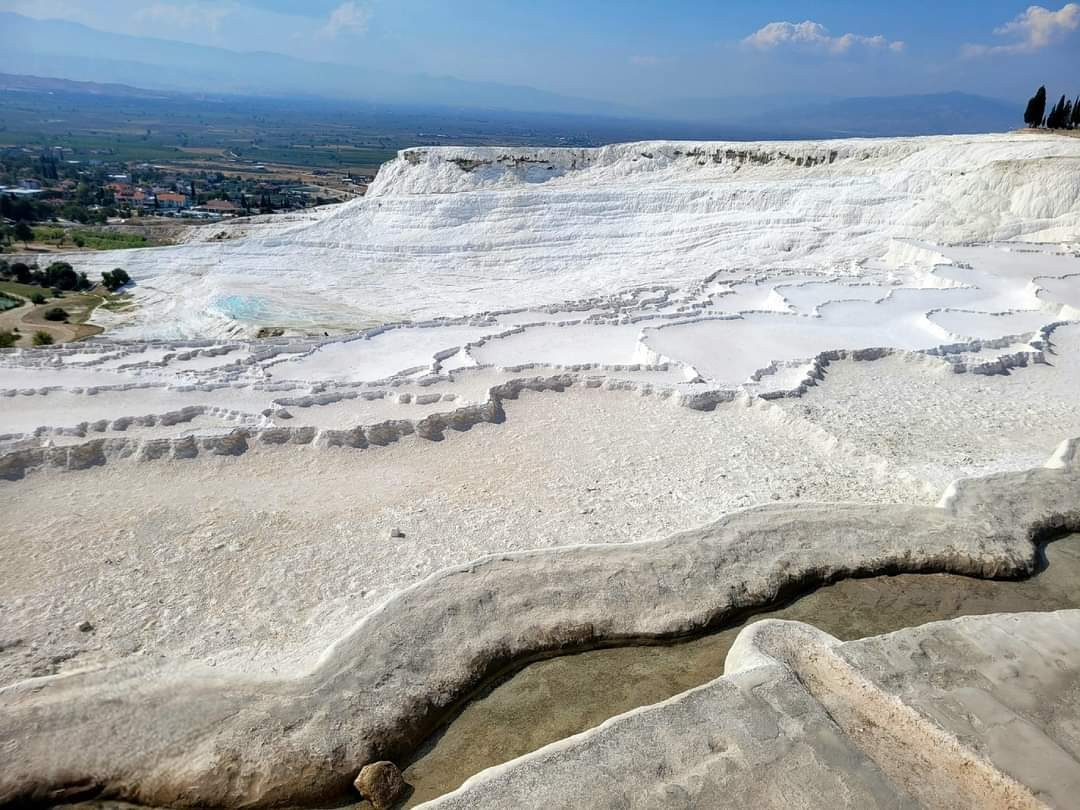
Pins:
<point x="84" y="627"/>
<point x="381" y="783"/>
<point x="397" y="533"/>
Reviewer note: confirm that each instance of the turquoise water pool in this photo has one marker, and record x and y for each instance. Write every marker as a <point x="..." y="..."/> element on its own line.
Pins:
<point x="241" y="307"/>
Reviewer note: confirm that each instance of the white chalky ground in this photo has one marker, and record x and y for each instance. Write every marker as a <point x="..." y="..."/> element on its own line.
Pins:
<point x="647" y="278"/>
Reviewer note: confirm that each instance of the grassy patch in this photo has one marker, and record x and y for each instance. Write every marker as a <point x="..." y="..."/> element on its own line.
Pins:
<point x="79" y="308"/>
<point x="7" y="303"/>
<point x="92" y="238"/>
<point x="49" y="233"/>
<point x="109" y="240"/>
<point x="118" y="302"/>
<point x="10" y="288"/>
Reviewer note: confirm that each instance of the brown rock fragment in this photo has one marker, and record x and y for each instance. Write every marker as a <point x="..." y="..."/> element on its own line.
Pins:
<point x="381" y="783"/>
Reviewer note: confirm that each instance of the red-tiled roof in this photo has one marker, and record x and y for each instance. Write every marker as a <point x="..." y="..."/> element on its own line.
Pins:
<point x="220" y="205"/>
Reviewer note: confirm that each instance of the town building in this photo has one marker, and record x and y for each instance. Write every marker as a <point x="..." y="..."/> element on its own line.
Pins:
<point x="171" y="201"/>
<point x="220" y="208"/>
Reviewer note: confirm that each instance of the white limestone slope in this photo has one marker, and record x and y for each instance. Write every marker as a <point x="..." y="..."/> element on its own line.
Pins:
<point x="694" y="270"/>
<point x="201" y="499"/>
<point x="456" y="231"/>
<point x="698" y="268"/>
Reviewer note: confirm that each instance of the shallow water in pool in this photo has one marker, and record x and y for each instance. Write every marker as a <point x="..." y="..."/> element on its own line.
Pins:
<point x="555" y="698"/>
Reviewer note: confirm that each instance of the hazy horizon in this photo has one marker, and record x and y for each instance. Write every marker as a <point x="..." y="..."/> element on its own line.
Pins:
<point x="601" y="57"/>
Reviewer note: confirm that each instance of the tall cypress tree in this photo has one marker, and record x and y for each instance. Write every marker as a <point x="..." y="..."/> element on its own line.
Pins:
<point x="1036" y="106"/>
<point x="1076" y="113"/>
<point x="1054" y="119"/>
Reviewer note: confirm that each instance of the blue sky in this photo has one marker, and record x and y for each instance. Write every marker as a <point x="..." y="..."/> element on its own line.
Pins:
<point x="637" y="50"/>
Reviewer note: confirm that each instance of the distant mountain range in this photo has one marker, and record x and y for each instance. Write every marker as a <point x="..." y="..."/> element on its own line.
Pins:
<point x="45" y="84"/>
<point x="73" y="51"/>
<point x="935" y="114"/>
<point x="118" y="64"/>
<point x="797" y="115"/>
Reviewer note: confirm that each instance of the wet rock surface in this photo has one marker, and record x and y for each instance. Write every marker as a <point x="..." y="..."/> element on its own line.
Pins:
<point x="932" y="716"/>
<point x="554" y="699"/>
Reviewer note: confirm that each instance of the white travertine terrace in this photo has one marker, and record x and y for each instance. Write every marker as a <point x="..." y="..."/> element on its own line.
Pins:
<point x="459" y="231"/>
<point x="982" y="309"/>
<point x="538" y="359"/>
<point x="699" y="269"/>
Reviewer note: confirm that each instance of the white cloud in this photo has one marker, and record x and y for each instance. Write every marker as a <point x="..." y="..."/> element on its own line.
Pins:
<point x="350" y="16"/>
<point x="202" y="16"/>
<point x="1033" y="30"/>
<point x="815" y="35"/>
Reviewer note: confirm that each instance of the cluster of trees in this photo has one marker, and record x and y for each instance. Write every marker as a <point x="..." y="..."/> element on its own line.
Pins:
<point x="23" y="232"/>
<point x="60" y="276"/>
<point x="1063" y="115"/>
<point x="24" y="209"/>
<point x="115" y="279"/>
<point x="76" y="212"/>
<point x="25" y="212"/>
<point x="57" y="276"/>
<point x="20" y="231"/>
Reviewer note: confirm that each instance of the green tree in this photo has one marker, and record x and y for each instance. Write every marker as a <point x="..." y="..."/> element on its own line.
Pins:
<point x="62" y="276"/>
<point x="1036" y="106"/>
<point x="24" y="233"/>
<point x="75" y="212"/>
<point x="1060" y="116"/>
<point x="37" y="299"/>
<point x="42" y="338"/>
<point x="21" y="272"/>
<point x="7" y="339"/>
<point x="115" y="279"/>
<point x="56" y="314"/>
